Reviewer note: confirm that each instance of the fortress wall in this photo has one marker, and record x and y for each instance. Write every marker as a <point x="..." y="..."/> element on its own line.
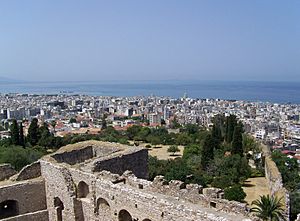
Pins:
<point x="59" y="187"/>
<point x="29" y="172"/>
<point x="137" y="162"/>
<point x="6" y="171"/>
<point x="74" y="156"/>
<point x="106" y="201"/>
<point x="194" y="193"/>
<point x="100" y="152"/>
<point x="35" y="216"/>
<point x="30" y="195"/>
<point x="274" y="179"/>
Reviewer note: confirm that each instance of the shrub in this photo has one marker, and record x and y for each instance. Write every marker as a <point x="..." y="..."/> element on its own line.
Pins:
<point x="235" y="193"/>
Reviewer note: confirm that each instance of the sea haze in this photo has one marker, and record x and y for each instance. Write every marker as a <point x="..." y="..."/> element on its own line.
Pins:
<point x="278" y="92"/>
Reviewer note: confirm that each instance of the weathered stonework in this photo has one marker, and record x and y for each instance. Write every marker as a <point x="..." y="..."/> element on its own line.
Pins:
<point x="274" y="180"/>
<point x="29" y="172"/>
<point x="98" y="181"/>
<point x="6" y="171"/>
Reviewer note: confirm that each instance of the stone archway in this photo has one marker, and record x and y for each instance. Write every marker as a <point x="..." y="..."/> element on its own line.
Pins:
<point x="146" y="219"/>
<point x="124" y="215"/>
<point x="82" y="190"/>
<point x="59" y="207"/>
<point x="9" y="208"/>
<point x="103" y="210"/>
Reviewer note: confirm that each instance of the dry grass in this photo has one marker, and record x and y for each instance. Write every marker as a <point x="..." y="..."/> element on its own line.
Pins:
<point x="161" y="152"/>
<point x="255" y="187"/>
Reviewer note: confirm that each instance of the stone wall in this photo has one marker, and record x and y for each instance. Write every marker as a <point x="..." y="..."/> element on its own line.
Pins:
<point x="274" y="180"/>
<point x="74" y="156"/>
<point x="81" y="189"/>
<point x="29" y="195"/>
<point x="29" y="172"/>
<point x="137" y="162"/>
<point x="107" y="197"/>
<point x="35" y="216"/>
<point x="6" y="171"/>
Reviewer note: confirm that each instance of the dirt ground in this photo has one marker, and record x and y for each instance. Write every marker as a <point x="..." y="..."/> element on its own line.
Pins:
<point x="161" y="153"/>
<point x="255" y="187"/>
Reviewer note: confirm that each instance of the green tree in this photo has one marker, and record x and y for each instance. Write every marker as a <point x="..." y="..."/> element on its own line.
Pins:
<point x="237" y="142"/>
<point x="177" y="170"/>
<point x="229" y="127"/>
<point x="156" y="167"/>
<point x="216" y="135"/>
<point x="294" y="204"/>
<point x="142" y="134"/>
<point x="21" y="135"/>
<point x="183" y="139"/>
<point x="268" y="208"/>
<point x="104" y="123"/>
<point x="33" y="132"/>
<point x="192" y="150"/>
<point x="222" y="181"/>
<point x="19" y="157"/>
<point x="175" y="124"/>
<point x="235" y="193"/>
<point x="289" y="170"/>
<point x="14" y="133"/>
<point x="72" y="120"/>
<point x="53" y="124"/>
<point x="191" y="128"/>
<point x="207" y="151"/>
<point x="133" y="131"/>
<point x="46" y="138"/>
<point x="173" y="149"/>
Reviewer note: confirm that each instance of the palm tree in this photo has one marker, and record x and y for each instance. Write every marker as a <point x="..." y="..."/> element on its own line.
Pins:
<point x="268" y="208"/>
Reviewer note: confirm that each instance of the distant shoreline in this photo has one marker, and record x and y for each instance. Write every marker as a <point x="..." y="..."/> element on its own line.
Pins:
<point x="274" y="92"/>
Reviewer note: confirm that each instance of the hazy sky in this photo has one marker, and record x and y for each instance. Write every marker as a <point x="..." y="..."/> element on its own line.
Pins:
<point x="150" y="40"/>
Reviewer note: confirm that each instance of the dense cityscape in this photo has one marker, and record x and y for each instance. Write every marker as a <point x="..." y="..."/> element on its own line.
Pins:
<point x="278" y="124"/>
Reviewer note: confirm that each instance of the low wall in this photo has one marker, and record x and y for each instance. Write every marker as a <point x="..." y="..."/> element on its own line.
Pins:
<point x="74" y="156"/>
<point x="35" y="216"/>
<point x="6" y="171"/>
<point x="29" y="172"/>
<point x="274" y="180"/>
<point x="29" y="195"/>
<point x="137" y="162"/>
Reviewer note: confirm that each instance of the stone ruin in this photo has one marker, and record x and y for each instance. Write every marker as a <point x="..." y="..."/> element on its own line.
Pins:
<point x="100" y="181"/>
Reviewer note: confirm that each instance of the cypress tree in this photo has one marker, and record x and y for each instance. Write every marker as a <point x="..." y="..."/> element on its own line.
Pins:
<point x="53" y="124"/>
<point x="207" y="151"/>
<point x="231" y="122"/>
<point x="21" y="135"/>
<point x="104" y="123"/>
<point x="237" y="142"/>
<point x="216" y="135"/>
<point x="45" y="136"/>
<point x="33" y="132"/>
<point x="44" y="130"/>
<point x="14" y="132"/>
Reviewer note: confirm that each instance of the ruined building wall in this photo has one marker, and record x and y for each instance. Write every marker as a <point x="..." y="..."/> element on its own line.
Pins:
<point x="74" y="156"/>
<point x="87" y="196"/>
<point x="6" y="171"/>
<point x="29" y="172"/>
<point x="137" y="162"/>
<point x="25" y="197"/>
<point x="79" y="188"/>
<point x="41" y="215"/>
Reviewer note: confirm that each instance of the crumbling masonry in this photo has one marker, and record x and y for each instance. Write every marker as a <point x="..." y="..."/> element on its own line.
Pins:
<point x="99" y="181"/>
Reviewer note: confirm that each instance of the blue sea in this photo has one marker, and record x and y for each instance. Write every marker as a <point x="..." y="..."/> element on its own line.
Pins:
<point x="276" y="92"/>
